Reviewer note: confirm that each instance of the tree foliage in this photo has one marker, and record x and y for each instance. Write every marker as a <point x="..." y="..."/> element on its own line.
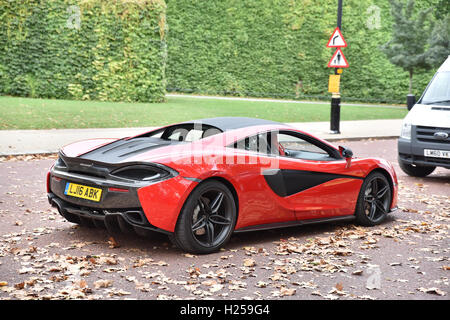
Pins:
<point x="275" y="48"/>
<point x="409" y="37"/>
<point x="442" y="9"/>
<point x="439" y="42"/>
<point x="410" y="34"/>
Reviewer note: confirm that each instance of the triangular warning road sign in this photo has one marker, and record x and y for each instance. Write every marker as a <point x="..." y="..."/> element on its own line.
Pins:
<point x="338" y="60"/>
<point x="336" y="40"/>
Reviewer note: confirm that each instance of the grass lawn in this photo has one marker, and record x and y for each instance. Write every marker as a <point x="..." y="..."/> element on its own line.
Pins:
<point x="27" y="113"/>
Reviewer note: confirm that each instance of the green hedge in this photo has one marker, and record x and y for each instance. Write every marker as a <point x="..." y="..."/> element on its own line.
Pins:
<point x="265" y="48"/>
<point x="90" y="49"/>
<point x="277" y="48"/>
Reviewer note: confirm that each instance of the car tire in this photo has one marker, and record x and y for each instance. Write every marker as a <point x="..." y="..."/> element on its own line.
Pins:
<point x="414" y="170"/>
<point x="374" y="200"/>
<point x="207" y="219"/>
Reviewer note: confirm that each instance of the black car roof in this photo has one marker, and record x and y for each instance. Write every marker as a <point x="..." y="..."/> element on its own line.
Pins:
<point x="231" y="123"/>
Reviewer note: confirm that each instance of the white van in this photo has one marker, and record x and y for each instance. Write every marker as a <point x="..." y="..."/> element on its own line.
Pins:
<point x="424" y="142"/>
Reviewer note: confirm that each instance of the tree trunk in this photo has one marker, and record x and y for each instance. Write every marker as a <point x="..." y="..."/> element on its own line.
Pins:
<point x="410" y="80"/>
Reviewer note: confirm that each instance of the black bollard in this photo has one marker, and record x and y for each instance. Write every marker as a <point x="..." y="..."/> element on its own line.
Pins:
<point x="410" y="101"/>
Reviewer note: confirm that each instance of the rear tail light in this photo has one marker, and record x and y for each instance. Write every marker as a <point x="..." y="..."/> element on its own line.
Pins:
<point x="117" y="190"/>
<point x="48" y="182"/>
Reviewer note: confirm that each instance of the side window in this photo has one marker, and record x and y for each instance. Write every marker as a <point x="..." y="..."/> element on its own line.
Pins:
<point x="257" y="143"/>
<point x="178" y="134"/>
<point x="293" y="146"/>
<point x="194" y="135"/>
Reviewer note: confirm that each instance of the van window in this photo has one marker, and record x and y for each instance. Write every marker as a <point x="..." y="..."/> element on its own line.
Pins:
<point x="439" y="90"/>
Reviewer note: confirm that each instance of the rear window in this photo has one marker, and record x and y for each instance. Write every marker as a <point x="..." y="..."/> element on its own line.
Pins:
<point x="186" y="132"/>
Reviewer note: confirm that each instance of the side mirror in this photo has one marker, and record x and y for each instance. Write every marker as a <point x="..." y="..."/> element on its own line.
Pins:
<point x="347" y="154"/>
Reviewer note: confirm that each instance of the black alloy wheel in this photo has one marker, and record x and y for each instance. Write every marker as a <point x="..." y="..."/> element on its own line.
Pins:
<point x="207" y="219"/>
<point x="374" y="200"/>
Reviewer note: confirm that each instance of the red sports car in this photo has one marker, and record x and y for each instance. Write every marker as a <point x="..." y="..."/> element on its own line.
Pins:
<point x="202" y="180"/>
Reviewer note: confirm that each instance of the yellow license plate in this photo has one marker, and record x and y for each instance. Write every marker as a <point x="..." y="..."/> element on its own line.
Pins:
<point x="84" y="192"/>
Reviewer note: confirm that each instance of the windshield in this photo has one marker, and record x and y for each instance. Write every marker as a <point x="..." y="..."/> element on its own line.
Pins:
<point x="439" y="90"/>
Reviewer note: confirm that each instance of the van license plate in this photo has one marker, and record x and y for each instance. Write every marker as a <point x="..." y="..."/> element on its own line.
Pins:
<point x="437" y="153"/>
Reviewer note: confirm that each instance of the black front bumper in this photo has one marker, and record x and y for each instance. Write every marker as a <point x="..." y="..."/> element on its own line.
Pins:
<point x="412" y="151"/>
<point x="131" y="220"/>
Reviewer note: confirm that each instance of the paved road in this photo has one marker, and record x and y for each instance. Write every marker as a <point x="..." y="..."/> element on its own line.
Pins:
<point x="407" y="257"/>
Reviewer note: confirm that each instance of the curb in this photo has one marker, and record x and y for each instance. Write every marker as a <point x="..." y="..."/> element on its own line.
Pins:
<point x="47" y="152"/>
<point x="362" y="138"/>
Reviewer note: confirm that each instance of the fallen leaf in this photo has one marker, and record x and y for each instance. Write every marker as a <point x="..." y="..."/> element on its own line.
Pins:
<point x="287" y="292"/>
<point x="276" y="277"/>
<point x="26" y="270"/>
<point x="209" y="282"/>
<point x="113" y="243"/>
<point x="142" y="262"/>
<point x="433" y="291"/>
<point x="261" y="284"/>
<point x="343" y="252"/>
<point x="102" y="284"/>
<point x="216" y="287"/>
<point x="110" y="261"/>
<point x="249" y="263"/>
<point x="19" y="286"/>
<point x="82" y="284"/>
<point x="393" y="264"/>
<point x="119" y="293"/>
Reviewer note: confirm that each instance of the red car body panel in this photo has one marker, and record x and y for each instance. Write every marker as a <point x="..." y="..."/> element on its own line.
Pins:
<point x="258" y="204"/>
<point x="77" y="148"/>
<point x="163" y="202"/>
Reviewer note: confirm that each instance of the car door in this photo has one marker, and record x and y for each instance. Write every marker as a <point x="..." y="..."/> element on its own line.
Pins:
<point x="312" y="177"/>
<point x="258" y="204"/>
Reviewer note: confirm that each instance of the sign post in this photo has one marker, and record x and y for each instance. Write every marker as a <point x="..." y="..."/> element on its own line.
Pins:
<point x="338" y="61"/>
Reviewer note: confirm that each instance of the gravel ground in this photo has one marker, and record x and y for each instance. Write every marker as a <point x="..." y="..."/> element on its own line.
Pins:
<point x="42" y="256"/>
